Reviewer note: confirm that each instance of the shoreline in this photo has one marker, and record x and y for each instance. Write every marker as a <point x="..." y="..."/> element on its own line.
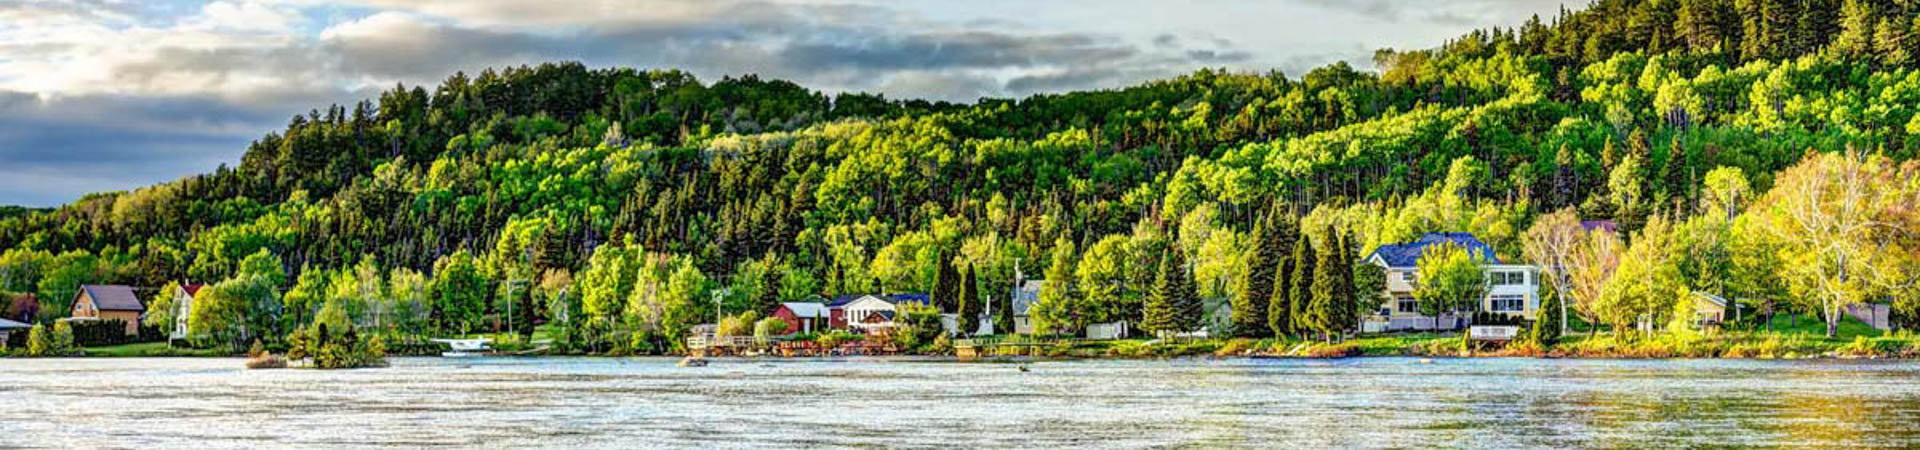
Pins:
<point x="1755" y="346"/>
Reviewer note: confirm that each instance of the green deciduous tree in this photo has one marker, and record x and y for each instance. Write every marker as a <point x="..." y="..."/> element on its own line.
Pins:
<point x="1647" y="283"/>
<point x="1840" y="221"/>
<point x="1058" y="309"/>
<point x="459" y="292"/>
<point x="1450" y="280"/>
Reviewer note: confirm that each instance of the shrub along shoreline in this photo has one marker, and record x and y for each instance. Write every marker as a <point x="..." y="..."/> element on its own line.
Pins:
<point x="1450" y="345"/>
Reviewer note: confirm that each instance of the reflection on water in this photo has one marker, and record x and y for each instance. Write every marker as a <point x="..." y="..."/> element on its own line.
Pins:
<point x="625" y="403"/>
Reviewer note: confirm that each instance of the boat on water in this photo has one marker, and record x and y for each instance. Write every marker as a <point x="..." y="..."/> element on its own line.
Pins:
<point x="461" y="348"/>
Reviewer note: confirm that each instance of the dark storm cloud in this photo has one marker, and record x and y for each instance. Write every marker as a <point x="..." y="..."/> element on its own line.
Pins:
<point x="52" y="152"/>
<point x="822" y="47"/>
<point x="165" y="96"/>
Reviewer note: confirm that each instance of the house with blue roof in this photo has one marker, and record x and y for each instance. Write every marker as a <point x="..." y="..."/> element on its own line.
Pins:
<point x="1511" y="288"/>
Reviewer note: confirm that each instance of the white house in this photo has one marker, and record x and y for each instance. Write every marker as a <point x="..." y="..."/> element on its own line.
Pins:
<point x="183" y="307"/>
<point x="870" y="313"/>
<point x="1023" y="299"/>
<point x="1511" y="288"/>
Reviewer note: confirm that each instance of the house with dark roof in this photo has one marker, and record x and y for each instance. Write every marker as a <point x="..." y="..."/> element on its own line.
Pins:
<point x="8" y="327"/>
<point x="109" y="301"/>
<point x="869" y="312"/>
<point x="1511" y="288"/>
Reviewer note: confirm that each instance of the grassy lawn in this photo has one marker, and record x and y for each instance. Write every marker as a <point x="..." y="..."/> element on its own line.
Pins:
<point x="150" y="349"/>
<point x="1814" y="327"/>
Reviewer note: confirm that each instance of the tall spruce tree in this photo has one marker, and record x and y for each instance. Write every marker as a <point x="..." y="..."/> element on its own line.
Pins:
<point x="1323" y="310"/>
<point x="1300" y="289"/>
<point x="1157" y="314"/>
<point x="1250" y="307"/>
<point x="1348" y="306"/>
<point x="967" y="309"/>
<point x="1281" y="242"/>
<point x="1003" y="309"/>
<point x="946" y="283"/>
<point x="1546" y="326"/>
<point x="1188" y="312"/>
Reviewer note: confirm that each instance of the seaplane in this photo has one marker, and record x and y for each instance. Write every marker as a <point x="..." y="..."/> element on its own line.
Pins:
<point x="461" y="348"/>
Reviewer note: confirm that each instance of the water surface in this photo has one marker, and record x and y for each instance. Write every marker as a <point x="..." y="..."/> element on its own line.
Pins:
<point x="648" y="402"/>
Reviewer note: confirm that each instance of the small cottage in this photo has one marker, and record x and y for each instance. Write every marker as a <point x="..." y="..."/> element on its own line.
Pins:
<point x="802" y="317"/>
<point x="109" y="301"/>
<point x="8" y="328"/>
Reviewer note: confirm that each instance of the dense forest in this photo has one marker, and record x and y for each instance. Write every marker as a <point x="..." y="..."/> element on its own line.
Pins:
<point x="620" y="202"/>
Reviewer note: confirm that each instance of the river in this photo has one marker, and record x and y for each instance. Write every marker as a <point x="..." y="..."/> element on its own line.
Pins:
<point x="648" y="402"/>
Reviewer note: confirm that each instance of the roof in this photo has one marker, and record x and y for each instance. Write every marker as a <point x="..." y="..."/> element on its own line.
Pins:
<point x="805" y="309"/>
<point x="896" y="299"/>
<point x="1028" y="293"/>
<point x="1709" y="297"/>
<point x="844" y="299"/>
<point x="113" y="297"/>
<point x="193" y="290"/>
<point x="1407" y="254"/>
<point x="12" y="325"/>
<point x="1590" y="225"/>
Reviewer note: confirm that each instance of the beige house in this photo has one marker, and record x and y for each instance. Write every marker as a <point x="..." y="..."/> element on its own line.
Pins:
<point x="109" y="301"/>
<point x="1511" y="288"/>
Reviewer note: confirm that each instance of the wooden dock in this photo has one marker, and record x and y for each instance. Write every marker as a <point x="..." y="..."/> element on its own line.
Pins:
<point x="704" y="346"/>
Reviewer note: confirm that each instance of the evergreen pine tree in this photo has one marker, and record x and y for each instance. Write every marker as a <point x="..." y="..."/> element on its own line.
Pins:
<point x="946" y="286"/>
<point x="768" y="299"/>
<point x="1280" y="244"/>
<point x="1349" y="304"/>
<point x="1322" y="311"/>
<point x="1003" y="310"/>
<point x="1300" y="291"/>
<point x="1157" y="314"/>
<point x="1250" y="306"/>
<point x="968" y="307"/>
<point x="1188" y="312"/>
<point x="1546" y="324"/>
<point x="1674" y="175"/>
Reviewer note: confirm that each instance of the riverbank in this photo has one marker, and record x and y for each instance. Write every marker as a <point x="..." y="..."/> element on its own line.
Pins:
<point x="1731" y="345"/>
<point x="1753" y="345"/>
<point x="1790" y="339"/>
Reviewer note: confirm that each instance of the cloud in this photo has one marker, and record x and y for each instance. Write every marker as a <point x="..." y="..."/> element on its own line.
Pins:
<point x="1469" y="13"/>
<point x="151" y="91"/>
<point x="52" y="151"/>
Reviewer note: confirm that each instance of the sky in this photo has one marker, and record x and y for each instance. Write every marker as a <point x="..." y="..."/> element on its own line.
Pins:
<point x="106" y="95"/>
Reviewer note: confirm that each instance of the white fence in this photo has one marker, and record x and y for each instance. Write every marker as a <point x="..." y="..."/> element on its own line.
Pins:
<point x="1109" y="330"/>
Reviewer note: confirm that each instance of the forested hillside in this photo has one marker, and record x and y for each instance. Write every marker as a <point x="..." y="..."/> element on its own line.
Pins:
<point x="617" y="200"/>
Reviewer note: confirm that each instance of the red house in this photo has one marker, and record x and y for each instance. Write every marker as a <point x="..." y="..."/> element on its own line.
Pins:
<point x="802" y="317"/>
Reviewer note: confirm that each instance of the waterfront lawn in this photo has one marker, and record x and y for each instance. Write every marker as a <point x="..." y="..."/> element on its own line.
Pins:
<point x="150" y="349"/>
<point x="1813" y="326"/>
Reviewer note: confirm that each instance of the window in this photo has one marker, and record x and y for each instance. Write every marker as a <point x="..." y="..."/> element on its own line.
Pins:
<point x="1507" y="278"/>
<point x="1407" y="304"/>
<point x="1409" y="277"/>
<point x="1508" y="303"/>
